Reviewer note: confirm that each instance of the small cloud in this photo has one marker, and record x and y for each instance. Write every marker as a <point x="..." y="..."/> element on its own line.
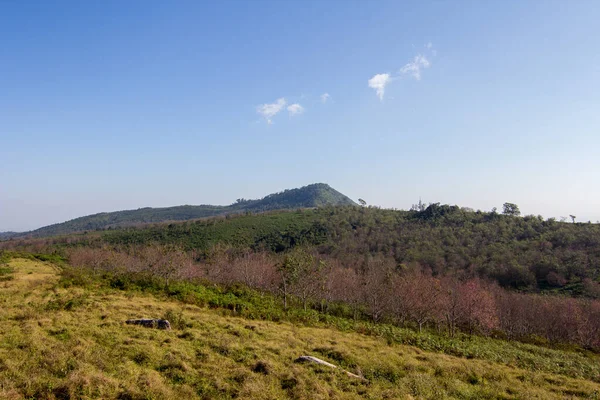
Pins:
<point x="379" y="82"/>
<point x="414" y="68"/>
<point x="429" y="46"/>
<point x="295" y="109"/>
<point x="268" y="111"/>
<point x="325" y="97"/>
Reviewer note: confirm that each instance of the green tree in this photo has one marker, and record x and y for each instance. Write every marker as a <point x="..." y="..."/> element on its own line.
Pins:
<point x="292" y="269"/>
<point x="511" y="209"/>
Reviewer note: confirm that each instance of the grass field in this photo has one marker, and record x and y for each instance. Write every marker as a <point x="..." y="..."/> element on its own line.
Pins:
<point x="72" y="343"/>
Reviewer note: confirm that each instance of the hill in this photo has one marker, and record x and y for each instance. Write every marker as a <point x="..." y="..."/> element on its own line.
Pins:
<point x="62" y="336"/>
<point x="525" y="253"/>
<point x="315" y="195"/>
<point x="443" y="268"/>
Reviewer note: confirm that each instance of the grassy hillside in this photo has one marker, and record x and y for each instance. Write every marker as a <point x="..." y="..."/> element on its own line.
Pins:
<point x="315" y="195"/>
<point x="63" y="341"/>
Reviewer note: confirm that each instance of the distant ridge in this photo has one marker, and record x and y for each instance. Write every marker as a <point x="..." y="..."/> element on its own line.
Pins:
<point x="315" y="195"/>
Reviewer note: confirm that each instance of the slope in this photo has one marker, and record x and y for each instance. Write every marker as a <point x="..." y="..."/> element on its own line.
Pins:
<point x="58" y="342"/>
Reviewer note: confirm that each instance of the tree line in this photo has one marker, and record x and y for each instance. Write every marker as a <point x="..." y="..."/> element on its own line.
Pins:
<point x="371" y="287"/>
<point x="527" y="253"/>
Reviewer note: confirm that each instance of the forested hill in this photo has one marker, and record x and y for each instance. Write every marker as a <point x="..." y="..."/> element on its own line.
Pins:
<point x="518" y="252"/>
<point x="315" y="195"/>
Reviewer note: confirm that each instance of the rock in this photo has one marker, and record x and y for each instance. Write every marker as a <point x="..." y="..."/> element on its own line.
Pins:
<point x="325" y="363"/>
<point x="150" y="323"/>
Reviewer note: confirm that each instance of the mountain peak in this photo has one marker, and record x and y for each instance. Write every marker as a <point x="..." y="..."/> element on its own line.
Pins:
<point x="314" y="195"/>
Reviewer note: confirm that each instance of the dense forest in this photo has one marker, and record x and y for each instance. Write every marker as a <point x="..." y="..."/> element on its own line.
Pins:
<point x="526" y="253"/>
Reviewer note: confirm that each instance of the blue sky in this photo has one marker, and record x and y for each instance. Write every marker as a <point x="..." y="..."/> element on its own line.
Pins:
<point x="118" y="105"/>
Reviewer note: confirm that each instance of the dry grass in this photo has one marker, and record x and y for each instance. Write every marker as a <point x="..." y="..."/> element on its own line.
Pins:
<point x="72" y="343"/>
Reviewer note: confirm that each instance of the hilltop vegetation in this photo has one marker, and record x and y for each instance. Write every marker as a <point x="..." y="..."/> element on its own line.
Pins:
<point x="525" y="253"/>
<point x="62" y="336"/>
<point x="277" y="231"/>
<point x="315" y="195"/>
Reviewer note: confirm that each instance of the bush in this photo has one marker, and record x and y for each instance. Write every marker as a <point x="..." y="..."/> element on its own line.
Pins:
<point x="75" y="277"/>
<point x="176" y="319"/>
<point x="6" y="270"/>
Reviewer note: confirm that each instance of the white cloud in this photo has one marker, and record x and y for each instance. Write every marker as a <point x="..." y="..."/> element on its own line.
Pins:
<point x="429" y="45"/>
<point x="379" y="82"/>
<point x="268" y="111"/>
<point x="414" y="68"/>
<point x="325" y="97"/>
<point x="295" y="109"/>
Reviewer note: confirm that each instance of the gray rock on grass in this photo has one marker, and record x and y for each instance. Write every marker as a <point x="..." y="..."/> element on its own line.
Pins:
<point x="150" y="323"/>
